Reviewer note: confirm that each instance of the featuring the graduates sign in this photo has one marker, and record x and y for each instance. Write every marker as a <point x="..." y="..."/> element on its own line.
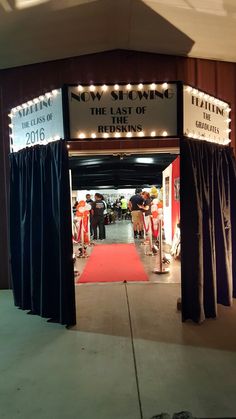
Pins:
<point x="39" y="121"/>
<point x="123" y="111"/>
<point x="205" y="117"/>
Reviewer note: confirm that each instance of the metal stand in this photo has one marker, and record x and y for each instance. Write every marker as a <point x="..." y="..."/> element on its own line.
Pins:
<point x="161" y="269"/>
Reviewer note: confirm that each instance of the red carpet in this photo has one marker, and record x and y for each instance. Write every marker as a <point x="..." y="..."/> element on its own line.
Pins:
<point x="113" y="263"/>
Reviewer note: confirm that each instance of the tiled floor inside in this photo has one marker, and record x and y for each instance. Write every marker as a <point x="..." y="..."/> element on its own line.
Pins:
<point x="121" y="232"/>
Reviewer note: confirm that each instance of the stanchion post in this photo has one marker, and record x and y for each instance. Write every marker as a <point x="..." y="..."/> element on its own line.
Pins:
<point x="161" y="269"/>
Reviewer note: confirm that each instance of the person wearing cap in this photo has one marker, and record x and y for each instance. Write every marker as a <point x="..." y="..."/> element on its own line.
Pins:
<point x="136" y="213"/>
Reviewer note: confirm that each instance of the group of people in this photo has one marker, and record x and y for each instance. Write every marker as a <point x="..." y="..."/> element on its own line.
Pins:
<point x="139" y="204"/>
<point x="97" y="212"/>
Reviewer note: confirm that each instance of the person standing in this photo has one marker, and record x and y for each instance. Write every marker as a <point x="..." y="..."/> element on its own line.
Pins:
<point x="136" y="213"/>
<point x="90" y="202"/>
<point x="124" y="206"/>
<point x="98" y="208"/>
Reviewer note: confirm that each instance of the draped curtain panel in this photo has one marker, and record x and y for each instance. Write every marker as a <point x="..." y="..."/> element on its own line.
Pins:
<point x="40" y="232"/>
<point x="208" y="228"/>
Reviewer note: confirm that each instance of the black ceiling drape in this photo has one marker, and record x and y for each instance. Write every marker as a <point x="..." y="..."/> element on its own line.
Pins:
<point x="208" y="228"/>
<point x="40" y="232"/>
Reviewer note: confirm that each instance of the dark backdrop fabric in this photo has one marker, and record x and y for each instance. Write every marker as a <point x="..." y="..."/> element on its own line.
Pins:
<point x="40" y="232"/>
<point x="208" y="228"/>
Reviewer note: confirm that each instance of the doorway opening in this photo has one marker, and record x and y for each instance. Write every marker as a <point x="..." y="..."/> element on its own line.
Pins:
<point x="116" y="177"/>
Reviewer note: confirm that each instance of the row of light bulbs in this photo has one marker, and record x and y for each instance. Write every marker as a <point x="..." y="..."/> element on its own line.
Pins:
<point x="47" y="95"/>
<point x="128" y="86"/>
<point x="82" y="135"/>
<point x="207" y="97"/>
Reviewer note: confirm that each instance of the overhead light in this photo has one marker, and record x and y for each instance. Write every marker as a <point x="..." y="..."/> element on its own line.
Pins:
<point x="117" y="135"/>
<point x="80" y="88"/>
<point x="54" y="92"/>
<point x="81" y="135"/>
<point x="128" y="86"/>
<point x="116" y="86"/>
<point x="141" y="134"/>
<point x="41" y="97"/>
<point x="153" y="133"/>
<point x="165" y="133"/>
<point x="104" y="87"/>
<point x="165" y="85"/>
<point x="105" y="135"/>
<point x="48" y="95"/>
<point x="92" y="88"/>
<point x="93" y="135"/>
<point x="140" y="86"/>
<point x="129" y="134"/>
<point x="147" y="160"/>
<point x="153" y="86"/>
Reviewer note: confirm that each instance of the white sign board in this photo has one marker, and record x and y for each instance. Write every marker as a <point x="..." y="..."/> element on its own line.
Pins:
<point x="39" y="121"/>
<point x="148" y="110"/>
<point x="205" y="117"/>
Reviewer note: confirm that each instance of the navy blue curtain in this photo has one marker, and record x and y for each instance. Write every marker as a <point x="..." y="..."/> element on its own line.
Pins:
<point x="40" y="232"/>
<point x="208" y="228"/>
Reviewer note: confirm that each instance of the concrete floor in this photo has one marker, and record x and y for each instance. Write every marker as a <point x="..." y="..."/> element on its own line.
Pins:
<point x="128" y="357"/>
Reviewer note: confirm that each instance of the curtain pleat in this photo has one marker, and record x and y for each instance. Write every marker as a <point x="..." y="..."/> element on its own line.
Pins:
<point x="40" y="232"/>
<point x="208" y="196"/>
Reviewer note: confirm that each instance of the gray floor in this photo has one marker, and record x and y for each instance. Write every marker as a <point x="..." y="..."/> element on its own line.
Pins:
<point x="129" y="357"/>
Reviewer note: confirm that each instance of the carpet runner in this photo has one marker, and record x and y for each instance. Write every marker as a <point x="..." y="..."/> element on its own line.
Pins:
<point x="113" y="263"/>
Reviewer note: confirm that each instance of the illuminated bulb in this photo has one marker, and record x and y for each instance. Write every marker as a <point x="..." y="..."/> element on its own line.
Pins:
<point x="36" y="100"/>
<point x="80" y="88"/>
<point x="140" y="86"/>
<point x="92" y="88"/>
<point x="195" y="91"/>
<point x="164" y="133"/>
<point x="48" y="95"/>
<point x="54" y="92"/>
<point x="128" y="87"/>
<point x="190" y="135"/>
<point x="24" y="105"/>
<point x="82" y="135"/>
<point x="30" y="102"/>
<point x="129" y="134"/>
<point x="206" y="96"/>
<point x="153" y="86"/>
<point x="201" y="94"/>
<point x="14" y="110"/>
<point x="189" y="89"/>
<point x="10" y="115"/>
<point x="10" y="125"/>
<point x="165" y="85"/>
<point x="104" y="87"/>
<point x="228" y="109"/>
<point x="228" y="130"/>
<point x="228" y="120"/>
<point x="141" y="134"/>
<point x="19" y="108"/>
<point x="41" y="97"/>
<point x="116" y="86"/>
<point x="93" y="135"/>
<point x="117" y="135"/>
<point x="68" y="146"/>
<point x="57" y="137"/>
<point x="105" y="135"/>
<point x="153" y="133"/>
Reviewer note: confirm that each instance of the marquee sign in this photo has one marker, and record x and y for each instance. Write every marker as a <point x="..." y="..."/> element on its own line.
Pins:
<point x="39" y="121"/>
<point x="123" y="111"/>
<point x="205" y="117"/>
